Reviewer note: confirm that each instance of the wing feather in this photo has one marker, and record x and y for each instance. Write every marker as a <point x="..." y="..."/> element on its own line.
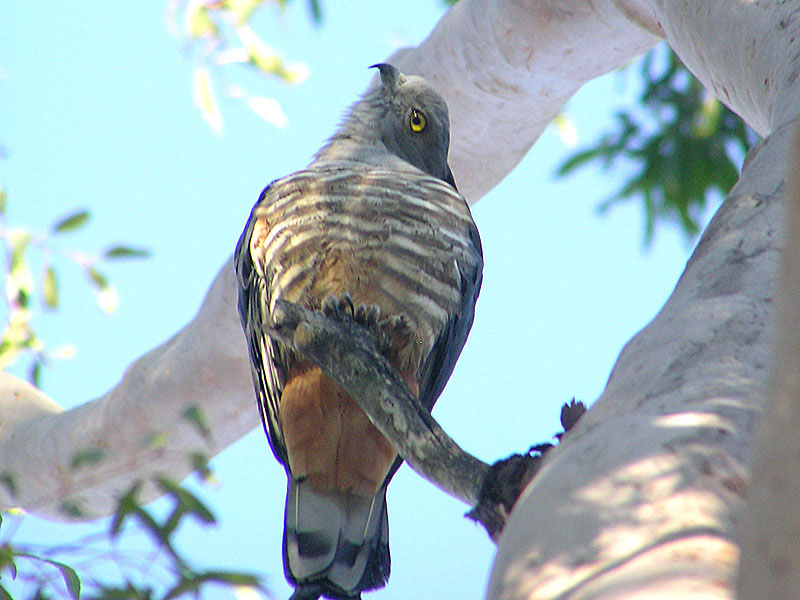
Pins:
<point x="448" y="345"/>
<point x="268" y="363"/>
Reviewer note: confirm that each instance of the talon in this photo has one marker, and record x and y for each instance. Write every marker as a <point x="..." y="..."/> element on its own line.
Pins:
<point x="346" y="304"/>
<point x="330" y="305"/>
<point x="338" y="306"/>
<point x="373" y="316"/>
<point x="399" y="323"/>
<point x="367" y="315"/>
<point x="361" y="314"/>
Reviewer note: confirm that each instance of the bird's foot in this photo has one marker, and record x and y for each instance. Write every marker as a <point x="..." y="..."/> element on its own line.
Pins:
<point x="397" y="327"/>
<point x="342" y="308"/>
<point x="338" y="307"/>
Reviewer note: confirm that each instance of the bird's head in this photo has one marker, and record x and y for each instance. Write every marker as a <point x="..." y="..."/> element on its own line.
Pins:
<point x="414" y="125"/>
<point x="402" y="116"/>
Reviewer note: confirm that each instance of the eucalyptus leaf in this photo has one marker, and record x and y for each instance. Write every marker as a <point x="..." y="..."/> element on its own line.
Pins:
<point x="72" y="222"/>
<point x="116" y="252"/>
<point x="50" y="288"/>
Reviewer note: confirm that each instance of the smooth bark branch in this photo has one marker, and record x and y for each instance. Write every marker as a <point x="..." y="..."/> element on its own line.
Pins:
<point x="770" y="560"/>
<point x="343" y="351"/>
<point x="648" y="489"/>
<point x="505" y="68"/>
<point x="141" y="428"/>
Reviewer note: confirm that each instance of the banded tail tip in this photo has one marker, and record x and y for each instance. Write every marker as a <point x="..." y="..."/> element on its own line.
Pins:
<point x="335" y="546"/>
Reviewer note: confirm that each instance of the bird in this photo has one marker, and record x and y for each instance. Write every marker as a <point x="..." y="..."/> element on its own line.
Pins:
<point x="375" y="228"/>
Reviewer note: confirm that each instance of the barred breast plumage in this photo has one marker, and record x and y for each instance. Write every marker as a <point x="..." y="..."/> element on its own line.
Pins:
<point x="396" y="243"/>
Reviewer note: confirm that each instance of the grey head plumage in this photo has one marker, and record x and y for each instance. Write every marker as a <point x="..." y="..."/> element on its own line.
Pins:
<point x="401" y="117"/>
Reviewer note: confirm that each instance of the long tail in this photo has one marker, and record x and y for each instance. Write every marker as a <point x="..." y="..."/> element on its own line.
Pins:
<point x="334" y="545"/>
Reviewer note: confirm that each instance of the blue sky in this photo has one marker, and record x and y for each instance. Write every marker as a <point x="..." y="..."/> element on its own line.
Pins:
<point x="97" y="112"/>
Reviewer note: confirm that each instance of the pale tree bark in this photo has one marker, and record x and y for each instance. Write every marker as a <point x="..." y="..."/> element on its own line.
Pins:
<point x="643" y="496"/>
<point x="502" y="88"/>
<point x="770" y="555"/>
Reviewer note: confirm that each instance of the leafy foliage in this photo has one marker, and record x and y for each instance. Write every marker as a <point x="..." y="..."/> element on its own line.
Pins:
<point x="102" y="567"/>
<point x="218" y="35"/>
<point x="24" y="296"/>
<point x="683" y="143"/>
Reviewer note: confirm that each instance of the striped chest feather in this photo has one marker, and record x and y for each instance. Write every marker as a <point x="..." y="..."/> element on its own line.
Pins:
<point x="393" y="242"/>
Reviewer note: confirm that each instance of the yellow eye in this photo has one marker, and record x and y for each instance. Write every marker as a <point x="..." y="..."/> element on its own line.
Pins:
<point x="417" y="121"/>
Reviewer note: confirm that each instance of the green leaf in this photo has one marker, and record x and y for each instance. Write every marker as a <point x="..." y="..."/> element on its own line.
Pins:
<point x="199" y="22"/>
<point x="187" y="502"/>
<point x="233" y="578"/>
<point x="23" y="281"/>
<point x="87" y="457"/>
<point x="196" y="417"/>
<point x="242" y="10"/>
<point x="72" y="222"/>
<point x="261" y="55"/>
<point x="129" y="592"/>
<point x="191" y="582"/>
<point x="35" y="375"/>
<point x="127" y="504"/>
<point x="50" y="288"/>
<point x="682" y="143"/>
<point x="204" y="99"/>
<point x="8" y="350"/>
<point x="201" y="467"/>
<point x="315" y="8"/>
<point x="71" y="509"/>
<point x="157" y="441"/>
<point x="98" y="278"/>
<point x="577" y="160"/>
<point x="7" y="479"/>
<point x="19" y="244"/>
<point x="7" y="560"/>
<point x="126" y="252"/>
<point x="71" y="579"/>
<point x="186" y="584"/>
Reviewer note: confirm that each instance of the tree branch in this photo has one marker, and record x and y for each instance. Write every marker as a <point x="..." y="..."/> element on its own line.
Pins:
<point x="142" y="427"/>
<point x="648" y="490"/>
<point x="345" y="351"/>
<point x="770" y="561"/>
<point x="505" y="69"/>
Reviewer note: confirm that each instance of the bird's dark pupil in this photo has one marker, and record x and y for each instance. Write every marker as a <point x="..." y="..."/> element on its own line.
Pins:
<point x="416" y="119"/>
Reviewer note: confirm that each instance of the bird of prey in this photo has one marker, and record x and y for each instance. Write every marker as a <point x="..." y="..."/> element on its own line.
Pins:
<point x="373" y="224"/>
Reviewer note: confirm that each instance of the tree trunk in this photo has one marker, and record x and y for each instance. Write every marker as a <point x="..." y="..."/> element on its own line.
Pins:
<point x="643" y="496"/>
